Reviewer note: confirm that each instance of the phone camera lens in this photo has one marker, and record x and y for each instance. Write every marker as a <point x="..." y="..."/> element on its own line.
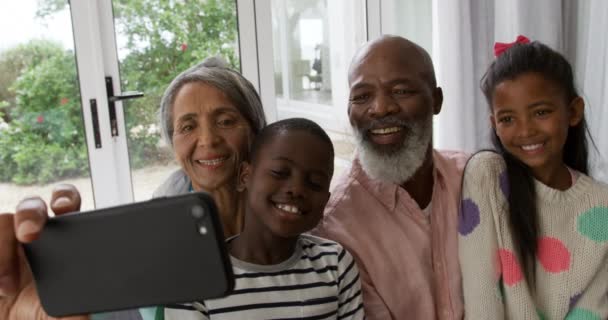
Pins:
<point x="198" y="212"/>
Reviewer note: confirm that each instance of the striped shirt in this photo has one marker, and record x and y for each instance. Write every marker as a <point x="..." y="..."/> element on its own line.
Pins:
<point x="319" y="281"/>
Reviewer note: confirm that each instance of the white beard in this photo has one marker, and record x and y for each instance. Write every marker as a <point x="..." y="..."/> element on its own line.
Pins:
<point x="400" y="165"/>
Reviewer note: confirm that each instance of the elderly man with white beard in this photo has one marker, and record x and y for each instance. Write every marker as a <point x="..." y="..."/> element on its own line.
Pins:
<point x="396" y="209"/>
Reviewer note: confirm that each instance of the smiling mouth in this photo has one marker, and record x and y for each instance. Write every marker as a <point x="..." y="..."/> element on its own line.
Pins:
<point x="532" y="147"/>
<point x="383" y="131"/>
<point x="212" y="162"/>
<point x="289" y="208"/>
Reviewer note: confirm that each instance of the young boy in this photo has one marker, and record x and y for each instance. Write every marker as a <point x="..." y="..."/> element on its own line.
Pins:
<point x="280" y="272"/>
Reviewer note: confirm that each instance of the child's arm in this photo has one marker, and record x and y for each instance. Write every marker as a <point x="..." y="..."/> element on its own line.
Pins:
<point x="350" y="303"/>
<point x="478" y="239"/>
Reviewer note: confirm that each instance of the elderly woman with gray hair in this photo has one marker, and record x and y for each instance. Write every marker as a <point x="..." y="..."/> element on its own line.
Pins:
<point x="209" y="115"/>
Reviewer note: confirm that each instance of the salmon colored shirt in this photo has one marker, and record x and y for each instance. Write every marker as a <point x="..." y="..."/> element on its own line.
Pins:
<point x="408" y="260"/>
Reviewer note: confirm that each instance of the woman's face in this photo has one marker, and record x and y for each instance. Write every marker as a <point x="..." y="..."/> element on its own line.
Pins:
<point x="210" y="136"/>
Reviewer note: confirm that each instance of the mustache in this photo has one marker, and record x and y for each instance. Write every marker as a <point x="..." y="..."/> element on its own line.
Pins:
<point x="385" y="122"/>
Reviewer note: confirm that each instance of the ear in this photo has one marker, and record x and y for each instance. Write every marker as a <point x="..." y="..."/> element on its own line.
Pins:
<point x="243" y="176"/>
<point x="577" y="111"/>
<point x="437" y="100"/>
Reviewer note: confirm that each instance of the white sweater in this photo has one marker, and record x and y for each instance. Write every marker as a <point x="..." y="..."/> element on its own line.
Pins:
<point x="572" y="259"/>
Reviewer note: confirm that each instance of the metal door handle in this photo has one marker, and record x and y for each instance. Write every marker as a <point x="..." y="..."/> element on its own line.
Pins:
<point x="112" y="98"/>
<point x="126" y="96"/>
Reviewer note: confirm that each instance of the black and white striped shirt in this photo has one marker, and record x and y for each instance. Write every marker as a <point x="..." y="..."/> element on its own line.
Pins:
<point x="319" y="281"/>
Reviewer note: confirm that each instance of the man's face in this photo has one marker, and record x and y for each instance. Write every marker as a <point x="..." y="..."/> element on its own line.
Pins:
<point x="390" y="107"/>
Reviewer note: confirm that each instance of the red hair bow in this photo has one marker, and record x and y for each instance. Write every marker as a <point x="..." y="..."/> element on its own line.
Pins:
<point x="500" y="47"/>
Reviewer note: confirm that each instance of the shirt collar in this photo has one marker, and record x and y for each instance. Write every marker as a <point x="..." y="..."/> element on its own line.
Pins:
<point x="385" y="192"/>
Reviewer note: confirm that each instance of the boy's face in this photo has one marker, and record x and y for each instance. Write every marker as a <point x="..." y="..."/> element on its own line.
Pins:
<point x="288" y="183"/>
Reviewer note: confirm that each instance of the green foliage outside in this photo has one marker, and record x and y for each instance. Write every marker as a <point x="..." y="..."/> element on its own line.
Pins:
<point x="41" y="139"/>
<point x="41" y="134"/>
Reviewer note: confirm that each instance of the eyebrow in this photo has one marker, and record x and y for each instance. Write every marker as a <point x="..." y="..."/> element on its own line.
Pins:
<point x="281" y="158"/>
<point x="220" y="110"/>
<point x="226" y="109"/>
<point x="186" y="117"/>
<point x="530" y="106"/>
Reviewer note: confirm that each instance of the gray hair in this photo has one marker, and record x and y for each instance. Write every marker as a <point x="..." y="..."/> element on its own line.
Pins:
<point x="215" y="72"/>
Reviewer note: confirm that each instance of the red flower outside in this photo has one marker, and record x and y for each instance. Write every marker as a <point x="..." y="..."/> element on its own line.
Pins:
<point x="40" y="119"/>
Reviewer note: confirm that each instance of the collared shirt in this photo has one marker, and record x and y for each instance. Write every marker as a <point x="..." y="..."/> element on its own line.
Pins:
<point x="408" y="261"/>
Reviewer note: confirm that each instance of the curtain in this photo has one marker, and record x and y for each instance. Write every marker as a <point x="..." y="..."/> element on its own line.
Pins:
<point x="464" y="33"/>
<point x="591" y="70"/>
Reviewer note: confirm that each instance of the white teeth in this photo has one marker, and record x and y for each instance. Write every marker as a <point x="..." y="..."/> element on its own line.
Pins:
<point x="532" y="147"/>
<point x="386" y="130"/>
<point x="288" y="208"/>
<point x="211" y="162"/>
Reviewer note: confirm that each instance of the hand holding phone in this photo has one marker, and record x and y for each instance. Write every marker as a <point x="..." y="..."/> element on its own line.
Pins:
<point x="162" y="251"/>
<point x="18" y="296"/>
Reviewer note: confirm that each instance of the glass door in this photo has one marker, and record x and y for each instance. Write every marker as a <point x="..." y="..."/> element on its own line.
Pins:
<point x="155" y="41"/>
<point x="42" y="135"/>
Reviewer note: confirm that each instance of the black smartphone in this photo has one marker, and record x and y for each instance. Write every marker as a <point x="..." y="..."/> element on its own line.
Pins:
<point x="157" y="252"/>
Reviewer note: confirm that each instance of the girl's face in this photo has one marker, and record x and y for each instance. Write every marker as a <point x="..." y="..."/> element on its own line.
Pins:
<point x="531" y="117"/>
<point x="210" y="136"/>
<point x="288" y="184"/>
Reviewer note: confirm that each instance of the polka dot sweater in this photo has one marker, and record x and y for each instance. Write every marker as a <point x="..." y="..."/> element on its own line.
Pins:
<point x="572" y="258"/>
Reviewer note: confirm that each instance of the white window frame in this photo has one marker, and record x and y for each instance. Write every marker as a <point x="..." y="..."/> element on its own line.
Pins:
<point x="109" y="165"/>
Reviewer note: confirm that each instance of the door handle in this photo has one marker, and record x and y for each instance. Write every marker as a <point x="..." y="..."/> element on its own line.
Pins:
<point x="126" y="96"/>
<point x="113" y="98"/>
<point x="95" y="119"/>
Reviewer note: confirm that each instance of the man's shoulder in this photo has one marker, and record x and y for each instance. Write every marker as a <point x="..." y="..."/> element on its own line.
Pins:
<point x="452" y="159"/>
<point x="343" y="191"/>
<point x="450" y="164"/>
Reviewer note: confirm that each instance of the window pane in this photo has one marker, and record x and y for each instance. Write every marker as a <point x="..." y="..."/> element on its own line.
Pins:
<point x="42" y="139"/>
<point x="301" y="48"/>
<point x="313" y="43"/>
<point x="156" y="41"/>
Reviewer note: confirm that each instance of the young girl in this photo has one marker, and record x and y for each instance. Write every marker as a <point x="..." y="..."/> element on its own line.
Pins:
<point x="533" y="225"/>
<point x="280" y="272"/>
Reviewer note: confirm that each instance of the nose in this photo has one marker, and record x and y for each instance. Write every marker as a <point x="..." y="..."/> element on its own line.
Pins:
<point x="207" y="135"/>
<point x="383" y="105"/>
<point x="527" y="128"/>
<point x="295" y="187"/>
